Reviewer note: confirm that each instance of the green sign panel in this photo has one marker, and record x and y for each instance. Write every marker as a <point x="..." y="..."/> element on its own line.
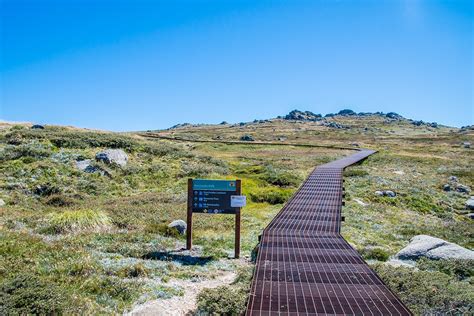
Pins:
<point x="213" y="196"/>
<point x="214" y="185"/>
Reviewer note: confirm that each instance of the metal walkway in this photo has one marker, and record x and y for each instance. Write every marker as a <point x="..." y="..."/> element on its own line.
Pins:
<point x="305" y="267"/>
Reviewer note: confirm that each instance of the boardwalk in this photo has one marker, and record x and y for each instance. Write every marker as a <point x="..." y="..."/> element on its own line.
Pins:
<point x="305" y="267"/>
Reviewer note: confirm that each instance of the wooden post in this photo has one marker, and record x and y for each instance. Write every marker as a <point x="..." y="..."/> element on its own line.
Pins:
<point x="237" y="222"/>
<point x="189" y="224"/>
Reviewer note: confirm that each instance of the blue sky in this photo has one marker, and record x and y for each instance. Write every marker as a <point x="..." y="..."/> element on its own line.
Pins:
<point x="137" y="65"/>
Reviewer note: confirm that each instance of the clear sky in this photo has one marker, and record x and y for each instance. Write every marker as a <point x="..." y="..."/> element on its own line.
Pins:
<point x="139" y="64"/>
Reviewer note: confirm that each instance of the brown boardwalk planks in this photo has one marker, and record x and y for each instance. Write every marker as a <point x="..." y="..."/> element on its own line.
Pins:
<point x="305" y="267"/>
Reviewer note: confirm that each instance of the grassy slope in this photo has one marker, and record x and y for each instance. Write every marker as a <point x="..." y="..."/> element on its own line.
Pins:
<point x="106" y="266"/>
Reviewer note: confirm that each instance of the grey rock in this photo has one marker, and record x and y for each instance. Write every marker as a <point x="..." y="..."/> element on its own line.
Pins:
<point x="2" y="202"/>
<point x="433" y="248"/>
<point x="463" y="188"/>
<point x="450" y="251"/>
<point x="386" y="193"/>
<point x="466" y="144"/>
<point x="247" y="138"/>
<point x="470" y="215"/>
<point x="470" y="203"/>
<point x="446" y="187"/>
<point x="401" y="263"/>
<point x="333" y="125"/>
<point x="179" y="225"/>
<point x="86" y="166"/>
<point x="113" y="156"/>
<point x="453" y="179"/>
<point x="390" y="193"/>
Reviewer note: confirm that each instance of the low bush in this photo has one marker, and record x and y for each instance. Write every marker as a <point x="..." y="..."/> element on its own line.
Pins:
<point x="71" y="221"/>
<point x="226" y="300"/>
<point x="133" y="271"/>
<point x="223" y="300"/>
<point x="162" y="229"/>
<point x="66" y="138"/>
<point x="59" y="200"/>
<point x="355" y="173"/>
<point x="270" y="195"/>
<point x="461" y="269"/>
<point x="280" y="177"/>
<point x="29" y="295"/>
<point x="427" y="292"/>
<point x="46" y="189"/>
<point x="373" y="253"/>
<point x="32" y="150"/>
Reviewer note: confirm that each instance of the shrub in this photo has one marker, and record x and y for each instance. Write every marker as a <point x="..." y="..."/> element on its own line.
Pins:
<point x="33" y="150"/>
<point x="164" y="230"/>
<point x="461" y="269"/>
<point x="270" y="195"/>
<point x="29" y="295"/>
<point x="226" y="300"/>
<point x="355" y="173"/>
<point x="422" y="203"/>
<point x="427" y="292"/>
<point x="65" y="138"/>
<point x="111" y="287"/>
<point x="280" y="178"/>
<point x="59" y="200"/>
<point x="374" y="253"/>
<point x="70" y="221"/>
<point x="46" y="189"/>
<point x="222" y="300"/>
<point x="133" y="271"/>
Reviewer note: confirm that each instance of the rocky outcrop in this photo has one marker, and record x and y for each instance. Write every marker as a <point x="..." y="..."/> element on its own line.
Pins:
<point x="433" y="248"/>
<point x="346" y="112"/>
<point x="297" y="115"/>
<point x="394" y="116"/>
<point x="113" y="156"/>
<point x="422" y="123"/>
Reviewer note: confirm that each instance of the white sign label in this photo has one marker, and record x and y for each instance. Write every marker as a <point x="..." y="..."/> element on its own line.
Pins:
<point x="238" y="200"/>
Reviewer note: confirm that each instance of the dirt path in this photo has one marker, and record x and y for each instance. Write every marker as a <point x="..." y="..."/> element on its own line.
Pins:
<point x="181" y="305"/>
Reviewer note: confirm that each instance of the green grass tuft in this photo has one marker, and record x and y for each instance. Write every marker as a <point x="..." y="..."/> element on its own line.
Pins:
<point x="72" y="221"/>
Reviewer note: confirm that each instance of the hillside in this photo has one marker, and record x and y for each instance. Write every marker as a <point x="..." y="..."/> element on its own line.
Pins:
<point x="81" y="235"/>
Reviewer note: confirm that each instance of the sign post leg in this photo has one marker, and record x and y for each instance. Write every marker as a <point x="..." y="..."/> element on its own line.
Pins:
<point x="237" y="222"/>
<point x="237" y="235"/>
<point x="189" y="221"/>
